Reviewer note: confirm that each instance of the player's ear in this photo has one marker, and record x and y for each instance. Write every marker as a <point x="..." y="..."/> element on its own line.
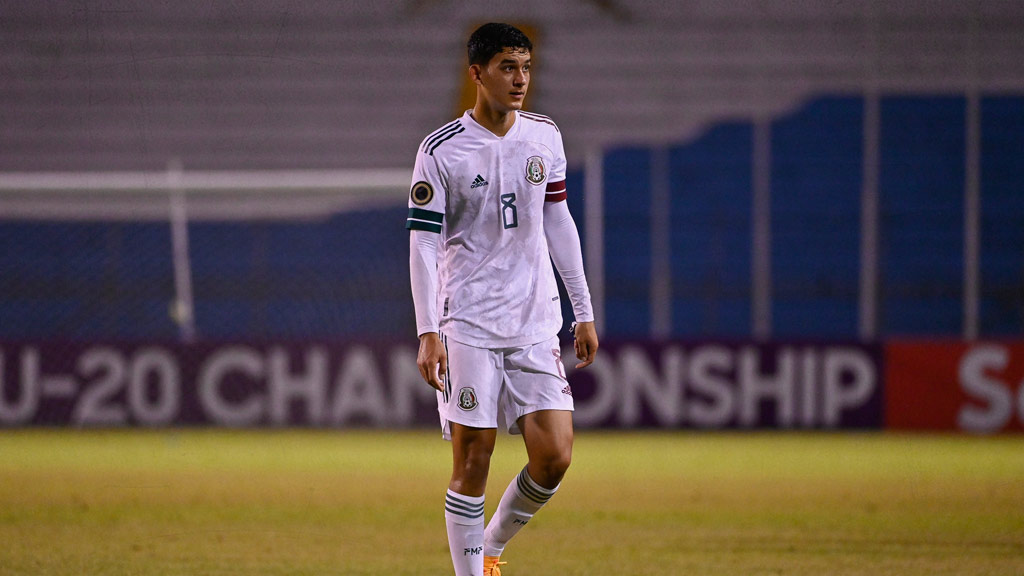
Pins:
<point x="474" y="73"/>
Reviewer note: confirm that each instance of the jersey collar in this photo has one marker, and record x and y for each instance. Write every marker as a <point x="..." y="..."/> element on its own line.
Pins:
<point x="471" y="121"/>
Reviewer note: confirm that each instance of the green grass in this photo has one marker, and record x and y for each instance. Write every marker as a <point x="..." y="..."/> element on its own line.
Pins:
<point x="207" y="502"/>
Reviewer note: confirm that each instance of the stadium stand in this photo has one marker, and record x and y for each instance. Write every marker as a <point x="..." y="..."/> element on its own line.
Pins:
<point x="273" y="86"/>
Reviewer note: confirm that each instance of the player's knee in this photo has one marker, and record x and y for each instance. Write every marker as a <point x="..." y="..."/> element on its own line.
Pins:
<point x="553" y="466"/>
<point x="560" y="464"/>
<point x="476" y="462"/>
<point x="472" y="463"/>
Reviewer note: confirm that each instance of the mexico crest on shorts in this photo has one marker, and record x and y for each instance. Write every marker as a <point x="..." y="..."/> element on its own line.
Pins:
<point x="467" y="399"/>
<point x="535" y="171"/>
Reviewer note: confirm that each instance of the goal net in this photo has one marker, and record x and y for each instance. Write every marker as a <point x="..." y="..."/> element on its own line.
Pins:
<point x="209" y="255"/>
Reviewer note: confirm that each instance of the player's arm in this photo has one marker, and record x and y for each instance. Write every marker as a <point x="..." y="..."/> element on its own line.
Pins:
<point x="431" y="358"/>
<point x="425" y="221"/>
<point x="564" y="246"/>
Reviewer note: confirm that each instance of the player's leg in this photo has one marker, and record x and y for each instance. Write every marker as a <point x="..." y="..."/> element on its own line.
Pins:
<point x="468" y="410"/>
<point x="548" y="435"/>
<point x="471" y="458"/>
<point x="464" y="502"/>
<point x="540" y="402"/>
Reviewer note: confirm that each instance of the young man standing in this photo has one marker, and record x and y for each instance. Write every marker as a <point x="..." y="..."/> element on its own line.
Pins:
<point x="487" y="216"/>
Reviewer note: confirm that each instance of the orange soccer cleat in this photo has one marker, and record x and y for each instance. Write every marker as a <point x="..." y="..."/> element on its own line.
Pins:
<point x="491" y="566"/>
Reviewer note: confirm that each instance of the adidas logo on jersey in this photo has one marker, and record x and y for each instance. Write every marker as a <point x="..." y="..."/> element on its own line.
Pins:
<point x="478" y="182"/>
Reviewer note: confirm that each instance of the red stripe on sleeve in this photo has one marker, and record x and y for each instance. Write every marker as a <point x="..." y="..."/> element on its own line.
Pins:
<point x="555" y="192"/>
<point x="556" y="186"/>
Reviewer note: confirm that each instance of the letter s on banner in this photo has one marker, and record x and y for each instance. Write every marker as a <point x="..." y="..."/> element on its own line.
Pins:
<point x="997" y="400"/>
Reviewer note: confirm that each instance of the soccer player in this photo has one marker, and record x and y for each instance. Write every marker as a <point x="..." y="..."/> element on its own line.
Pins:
<point x="487" y="217"/>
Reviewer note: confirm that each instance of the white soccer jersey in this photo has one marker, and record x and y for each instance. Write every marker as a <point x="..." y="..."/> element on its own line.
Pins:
<point x="485" y="195"/>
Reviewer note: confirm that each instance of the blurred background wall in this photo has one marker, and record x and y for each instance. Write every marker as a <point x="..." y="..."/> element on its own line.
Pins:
<point x="800" y="169"/>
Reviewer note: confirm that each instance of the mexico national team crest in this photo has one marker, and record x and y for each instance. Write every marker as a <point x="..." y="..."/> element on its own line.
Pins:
<point x="535" y="171"/>
<point x="467" y="399"/>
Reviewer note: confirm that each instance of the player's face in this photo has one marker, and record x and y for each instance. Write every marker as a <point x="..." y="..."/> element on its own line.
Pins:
<point x="505" y="79"/>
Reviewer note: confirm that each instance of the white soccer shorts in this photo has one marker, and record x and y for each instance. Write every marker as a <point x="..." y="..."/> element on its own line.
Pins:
<point x="485" y="388"/>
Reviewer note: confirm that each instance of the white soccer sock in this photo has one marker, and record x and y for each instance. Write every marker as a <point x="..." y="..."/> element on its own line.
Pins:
<point x="522" y="499"/>
<point x="464" y="516"/>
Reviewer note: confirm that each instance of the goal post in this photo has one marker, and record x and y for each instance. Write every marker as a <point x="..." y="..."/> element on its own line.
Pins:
<point x="211" y="195"/>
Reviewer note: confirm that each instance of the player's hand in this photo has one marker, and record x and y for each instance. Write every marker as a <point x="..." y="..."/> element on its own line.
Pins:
<point x="432" y="360"/>
<point x="585" y="343"/>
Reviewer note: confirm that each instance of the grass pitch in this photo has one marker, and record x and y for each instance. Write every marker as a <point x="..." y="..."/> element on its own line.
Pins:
<point x="214" y="502"/>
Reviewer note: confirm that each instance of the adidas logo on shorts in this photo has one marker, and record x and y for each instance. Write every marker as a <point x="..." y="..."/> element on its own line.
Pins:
<point x="478" y="182"/>
<point x="567" y="390"/>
